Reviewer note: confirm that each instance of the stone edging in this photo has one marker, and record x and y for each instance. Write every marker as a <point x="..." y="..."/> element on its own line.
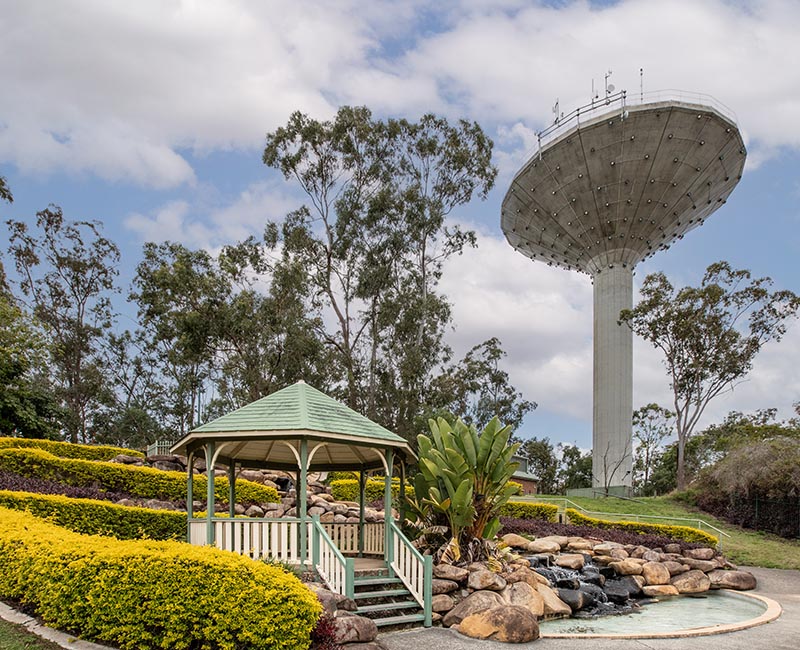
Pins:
<point x="774" y="610"/>
<point x="33" y="626"/>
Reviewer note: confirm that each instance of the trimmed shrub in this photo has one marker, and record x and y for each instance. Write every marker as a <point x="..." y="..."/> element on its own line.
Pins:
<point x="68" y="449"/>
<point x="92" y="517"/>
<point x="525" y="510"/>
<point x="144" y="482"/>
<point x="145" y="594"/>
<point x="347" y="489"/>
<point x="17" y="483"/>
<point x="518" y="486"/>
<point x="685" y="533"/>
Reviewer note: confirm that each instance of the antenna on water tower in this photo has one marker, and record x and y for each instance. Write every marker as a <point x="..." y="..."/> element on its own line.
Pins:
<point x="641" y="85"/>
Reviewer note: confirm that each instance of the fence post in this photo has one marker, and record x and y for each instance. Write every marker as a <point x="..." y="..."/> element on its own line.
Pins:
<point x="315" y="541"/>
<point x="349" y="578"/>
<point x="427" y="589"/>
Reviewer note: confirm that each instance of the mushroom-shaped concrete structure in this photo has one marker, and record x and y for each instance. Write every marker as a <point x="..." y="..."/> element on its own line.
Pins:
<point x="600" y="196"/>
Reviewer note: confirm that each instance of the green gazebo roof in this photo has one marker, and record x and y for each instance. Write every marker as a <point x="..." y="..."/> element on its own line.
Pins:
<point x="251" y="433"/>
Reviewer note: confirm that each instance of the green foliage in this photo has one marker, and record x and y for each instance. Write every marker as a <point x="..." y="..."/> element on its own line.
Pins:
<point x="69" y="449"/>
<point x="142" y="482"/>
<point x="526" y="510"/>
<point x="709" y="335"/>
<point x="341" y="476"/>
<point x="347" y="489"/>
<point x="685" y="533"/>
<point x="147" y="594"/>
<point x="92" y="517"/>
<point x="652" y="424"/>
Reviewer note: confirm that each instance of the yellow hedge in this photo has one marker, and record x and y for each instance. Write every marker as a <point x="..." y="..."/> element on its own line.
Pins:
<point x="68" y="449"/>
<point x="685" y="533"/>
<point x="347" y="489"/>
<point x="144" y="482"/>
<point x="146" y="594"/>
<point x="92" y="517"/>
<point x="525" y="510"/>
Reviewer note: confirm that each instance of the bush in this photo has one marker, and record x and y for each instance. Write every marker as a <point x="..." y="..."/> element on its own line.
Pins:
<point x="68" y="449"/>
<point x="144" y="594"/>
<point x="674" y="532"/>
<point x="144" y="482"/>
<point x="525" y="510"/>
<point x="347" y="489"/>
<point x="518" y="486"/>
<point x="92" y="517"/>
<point x="17" y="483"/>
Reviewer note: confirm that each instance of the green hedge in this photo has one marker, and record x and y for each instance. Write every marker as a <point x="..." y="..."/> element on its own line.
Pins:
<point x="68" y="449"/>
<point x="92" y="517"/>
<point x="685" y="533"/>
<point x="144" y="482"/>
<point x="347" y="489"/>
<point x="525" y="510"/>
<point x="145" y="594"/>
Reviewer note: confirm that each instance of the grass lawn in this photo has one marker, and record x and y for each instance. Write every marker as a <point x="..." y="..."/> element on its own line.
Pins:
<point x="16" y="637"/>
<point x="744" y="546"/>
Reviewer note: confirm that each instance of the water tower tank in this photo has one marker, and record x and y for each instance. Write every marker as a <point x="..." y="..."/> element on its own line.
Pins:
<point x="610" y="185"/>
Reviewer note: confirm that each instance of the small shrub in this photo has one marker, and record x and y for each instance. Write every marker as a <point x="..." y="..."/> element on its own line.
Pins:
<point x="69" y="449"/>
<point x="675" y="532"/>
<point x="92" y="517"/>
<point x="347" y="489"/>
<point x="323" y="637"/>
<point x="144" y="482"/>
<point x="525" y="510"/>
<point x="145" y="594"/>
<point x="518" y="486"/>
<point x="18" y="483"/>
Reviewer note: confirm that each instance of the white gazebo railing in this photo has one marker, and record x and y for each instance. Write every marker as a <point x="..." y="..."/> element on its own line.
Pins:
<point x="336" y="570"/>
<point x="414" y="569"/>
<point x="255" y="538"/>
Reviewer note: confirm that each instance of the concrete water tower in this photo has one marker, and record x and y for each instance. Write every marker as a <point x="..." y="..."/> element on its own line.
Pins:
<point x="611" y="184"/>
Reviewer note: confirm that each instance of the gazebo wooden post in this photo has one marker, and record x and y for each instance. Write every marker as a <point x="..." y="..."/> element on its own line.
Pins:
<point x="301" y="500"/>
<point x="232" y="489"/>
<point x="210" y="449"/>
<point x="402" y="505"/>
<point x="387" y="512"/>
<point x="362" y="489"/>
<point x="189" y="495"/>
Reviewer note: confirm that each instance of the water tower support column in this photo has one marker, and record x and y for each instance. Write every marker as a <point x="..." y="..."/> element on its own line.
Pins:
<point x="612" y="457"/>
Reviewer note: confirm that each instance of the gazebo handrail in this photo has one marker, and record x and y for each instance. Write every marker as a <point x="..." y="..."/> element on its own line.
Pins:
<point x="337" y="571"/>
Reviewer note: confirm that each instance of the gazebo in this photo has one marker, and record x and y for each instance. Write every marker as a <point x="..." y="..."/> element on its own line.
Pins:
<point x="300" y="429"/>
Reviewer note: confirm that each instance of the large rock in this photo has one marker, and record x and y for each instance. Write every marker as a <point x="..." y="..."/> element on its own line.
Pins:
<point x="620" y="589"/>
<point x="626" y="567"/>
<point x="691" y="582"/>
<point x="155" y="504"/>
<point x="351" y="628"/>
<point x="675" y="568"/>
<point x="701" y="565"/>
<point x="561" y="540"/>
<point x="516" y="541"/>
<point x="524" y="574"/>
<point x="576" y="598"/>
<point x="372" y="645"/>
<point x="659" y="591"/>
<point x="440" y="586"/>
<point x="655" y="573"/>
<point x="605" y="548"/>
<point x="442" y="603"/>
<point x="251" y="475"/>
<point x="477" y="601"/>
<point x="507" y="623"/>
<point x="700" y="553"/>
<point x="544" y="546"/>
<point x="254" y="511"/>
<point x="166" y="466"/>
<point x="127" y="460"/>
<point x="553" y="605"/>
<point x="331" y="601"/>
<point x="739" y="580"/>
<point x="571" y="561"/>
<point x="485" y="579"/>
<point x="524" y="595"/>
<point x="619" y="554"/>
<point x="580" y="545"/>
<point x="450" y="572"/>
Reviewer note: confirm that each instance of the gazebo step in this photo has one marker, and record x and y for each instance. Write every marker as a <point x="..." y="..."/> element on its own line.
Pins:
<point x="376" y="580"/>
<point x="399" y="620"/>
<point x="381" y="607"/>
<point x="381" y="594"/>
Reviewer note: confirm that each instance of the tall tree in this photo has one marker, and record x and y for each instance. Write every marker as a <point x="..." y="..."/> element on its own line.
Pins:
<point x="709" y="336"/>
<point x="67" y="273"/>
<point x="576" y="468"/>
<point x="652" y="424"/>
<point x="542" y="462"/>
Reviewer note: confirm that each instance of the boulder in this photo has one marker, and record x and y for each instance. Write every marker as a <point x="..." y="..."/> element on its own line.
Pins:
<point x="166" y="466"/>
<point x="620" y="589"/>
<point x="655" y="573"/>
<point x="442" y="603"/>
<point x="553" y="605"/>
<point x="351" y="628"/>
<point x="700" y="553"/>
<point x="626" y="567"/>
<point x="507" y="623"/>
<point x="526" y="575"/>
<point x="164" y="458"/>
<point x="332" y="601"/>
<point x="127" y="460"/>
<point x="561" y="540"/>
<point x="691" y="582"/>
<point x="659" y="591"/>
<point x="484" y="579"/>
<point x="316" y="510"/>
<point x="325" y="517"/>
<point x="252" y="475"/>
<point x="675" y="568"/>
<point x="619" y="554"/>
<point x="338" y="519"/>
<point x="524" y="595"/>
<point x="672" y="548"/>
<point x="372" y="645"/>
<point x="576" y="599"/>
<point x="127" y="502"/>
<point x="440" y="586"/>
<point x="739" y="580"/>
<point x="580" y="545"/>
<point x="155" y="504"/>
<point x="571" y="561"/>
<point x="605" y="548"/>
<point x="450" y="572"/>
<point x="638" y="551"/>
<point x="544" y="546"/>
<point x="701" y="565"/>
<point x="254" y="511"/>
<point x="652" y="556"/>
<point x="477" y="601"/>
<point x="515" y="541"/>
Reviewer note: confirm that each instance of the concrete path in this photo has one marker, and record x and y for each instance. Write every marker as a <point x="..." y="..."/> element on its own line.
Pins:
<point x="782" y="634"/>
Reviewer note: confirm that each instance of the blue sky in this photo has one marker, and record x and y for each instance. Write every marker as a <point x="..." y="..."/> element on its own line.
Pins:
<point x="151" y="116"/>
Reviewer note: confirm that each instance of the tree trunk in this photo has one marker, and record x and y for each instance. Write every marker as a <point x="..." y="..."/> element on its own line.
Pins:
<point x="680" y="479"/>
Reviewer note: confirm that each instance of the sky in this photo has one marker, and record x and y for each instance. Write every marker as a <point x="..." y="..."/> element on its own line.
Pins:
<point x="151" y="118"/>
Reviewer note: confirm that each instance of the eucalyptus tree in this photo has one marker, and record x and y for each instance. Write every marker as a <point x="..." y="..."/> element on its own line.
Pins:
<point x="709" y="336"/>
<point x="67" y="274"/>
<point x="652" y="424"/>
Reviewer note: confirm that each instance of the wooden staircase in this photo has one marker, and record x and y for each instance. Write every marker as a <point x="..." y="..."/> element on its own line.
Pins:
<point x="386" y="600"/>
